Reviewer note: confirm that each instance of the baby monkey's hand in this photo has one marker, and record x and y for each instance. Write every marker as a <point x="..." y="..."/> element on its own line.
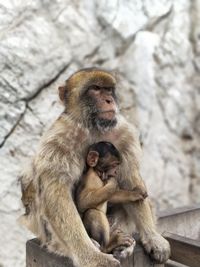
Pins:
<point x="140" y="192"/>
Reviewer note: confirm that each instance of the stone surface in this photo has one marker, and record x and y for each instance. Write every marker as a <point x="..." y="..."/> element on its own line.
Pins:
<point x="154" y="46"/>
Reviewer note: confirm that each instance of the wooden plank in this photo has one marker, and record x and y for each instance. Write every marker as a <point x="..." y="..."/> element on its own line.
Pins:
<point x="182" y="221"/>
<point x="171" y="263"/>
<point x="178" y="211"/>
<point x="142" y="259"/>
<point x="184" y="250"/>
<point x="37" y="256"/>
<point x="139" y="259"/>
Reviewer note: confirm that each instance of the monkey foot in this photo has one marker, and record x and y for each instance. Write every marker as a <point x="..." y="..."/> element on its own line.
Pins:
<point x="157" y="247"/>
<point x="122" y="239"/>
<point x="124" y="245"/>
<point x="123" y="252"/>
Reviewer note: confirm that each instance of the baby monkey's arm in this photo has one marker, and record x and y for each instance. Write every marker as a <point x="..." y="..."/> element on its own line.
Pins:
<point x="90" y="198"/>
<point x="125" y="196"/>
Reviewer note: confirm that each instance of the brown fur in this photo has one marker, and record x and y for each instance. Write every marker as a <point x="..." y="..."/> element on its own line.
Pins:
<point x="57" y="167"/>
<point x="92" y="196"/>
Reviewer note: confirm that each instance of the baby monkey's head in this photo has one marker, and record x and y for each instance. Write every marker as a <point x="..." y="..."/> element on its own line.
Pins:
<point x="105" y="159"/>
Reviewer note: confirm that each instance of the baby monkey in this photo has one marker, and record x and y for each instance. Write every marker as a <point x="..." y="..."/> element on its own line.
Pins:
<point x="98" y="186"/>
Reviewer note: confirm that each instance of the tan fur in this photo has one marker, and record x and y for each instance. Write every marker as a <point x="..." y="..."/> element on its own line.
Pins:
<point x="92" y="197"/>
<point x="56" y="169"/>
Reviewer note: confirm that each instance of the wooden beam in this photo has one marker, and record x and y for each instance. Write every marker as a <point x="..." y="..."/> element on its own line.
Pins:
<point x="171" y="263"/>
<point x="182" y="221"/>
<point x="177" y="211"/>
<point x="184" y="250"/>
<point x="37" y="256"/>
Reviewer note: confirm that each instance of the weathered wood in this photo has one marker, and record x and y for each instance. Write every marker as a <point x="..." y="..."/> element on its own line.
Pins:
<point x="184" y="250"/>
<point x="177" y="211"/>
<point x="139" y="259"/>
<point x="171" y="263"/>
<point x="183" y="221"/>
<point x="37" y="256"/>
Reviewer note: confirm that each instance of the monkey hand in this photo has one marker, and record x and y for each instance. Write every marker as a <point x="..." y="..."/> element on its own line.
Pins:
<point x="139" y="192"/>
<point x="112" y="184"/>
<point x="156" y="246"/>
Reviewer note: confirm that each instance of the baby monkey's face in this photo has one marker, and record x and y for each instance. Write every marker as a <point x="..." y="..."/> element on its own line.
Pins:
<point x="108" y="167"/>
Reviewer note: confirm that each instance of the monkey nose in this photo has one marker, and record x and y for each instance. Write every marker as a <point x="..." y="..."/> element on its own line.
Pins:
<point x="108" y="100"/>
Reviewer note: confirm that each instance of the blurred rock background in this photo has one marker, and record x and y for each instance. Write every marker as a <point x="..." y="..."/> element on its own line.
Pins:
<point x="155" y="48"/>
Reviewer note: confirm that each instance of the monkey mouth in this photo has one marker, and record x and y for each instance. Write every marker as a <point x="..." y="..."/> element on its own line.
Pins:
<point x="108" y="114"/>
<point x="104" y="120"/>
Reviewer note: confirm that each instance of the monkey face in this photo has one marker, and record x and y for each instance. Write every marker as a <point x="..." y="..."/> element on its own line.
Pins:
<point x="108" y="167"/>
<point x="103" y="107"/>
<point x="90" y="96"/>
<point x="110" y="172"/>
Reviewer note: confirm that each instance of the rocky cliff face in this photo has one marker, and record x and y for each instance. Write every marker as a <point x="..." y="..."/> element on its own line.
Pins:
<point x="155" y="48"/>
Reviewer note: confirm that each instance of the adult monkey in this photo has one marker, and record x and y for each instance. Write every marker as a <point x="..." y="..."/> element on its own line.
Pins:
<point x="91" y="115"/>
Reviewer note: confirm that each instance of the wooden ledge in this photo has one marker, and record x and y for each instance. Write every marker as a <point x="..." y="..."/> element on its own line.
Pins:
<point x="184" y="250"/>
<point x="178" y="211"/>
<point x="37" y="256"/>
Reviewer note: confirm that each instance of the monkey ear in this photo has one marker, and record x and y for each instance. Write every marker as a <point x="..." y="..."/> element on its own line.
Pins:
<point x="92" y="158"/>
<point x="62" y="92"/>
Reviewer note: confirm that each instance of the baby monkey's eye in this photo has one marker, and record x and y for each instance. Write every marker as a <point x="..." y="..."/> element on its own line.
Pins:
<point x="116" y="164"/>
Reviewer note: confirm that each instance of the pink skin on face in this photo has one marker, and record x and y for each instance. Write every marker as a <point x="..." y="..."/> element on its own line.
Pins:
<point x="105" y="102"/>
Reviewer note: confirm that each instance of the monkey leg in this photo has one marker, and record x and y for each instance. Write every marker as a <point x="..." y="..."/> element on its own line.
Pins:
<point x="156" y="246"/>
<point x="61" y="213"/>
<point x="97" y="226"/>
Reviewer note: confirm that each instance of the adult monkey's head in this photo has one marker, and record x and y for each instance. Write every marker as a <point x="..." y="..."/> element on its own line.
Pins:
<point x="89" y="97"/>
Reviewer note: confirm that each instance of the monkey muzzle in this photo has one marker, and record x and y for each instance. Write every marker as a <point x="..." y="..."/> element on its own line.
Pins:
<point x="108" y="115"/>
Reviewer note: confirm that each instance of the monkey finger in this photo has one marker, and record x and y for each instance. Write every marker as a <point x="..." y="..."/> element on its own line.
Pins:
<point x="145" y="195"/>
<point x="118" y="231"/>
<point x="126" y="241"/>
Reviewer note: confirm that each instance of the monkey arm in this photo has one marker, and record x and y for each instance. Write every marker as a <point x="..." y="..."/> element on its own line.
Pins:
<point x="125" y="196"/>
<point x="60" y="212"/>
<point x="139" y="212"/>
<point x="145" y="222"/>
<point x="91" y="198"/>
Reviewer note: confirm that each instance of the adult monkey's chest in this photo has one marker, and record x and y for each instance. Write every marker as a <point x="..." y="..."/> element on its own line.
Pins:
<point x="114" y="136"/>
<point x="123" y="142"/>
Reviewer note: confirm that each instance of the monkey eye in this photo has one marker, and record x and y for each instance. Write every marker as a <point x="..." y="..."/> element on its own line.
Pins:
<point x="109" y="89"/>
<point x="115" y="164"/>
<point x="95" y="87"/>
